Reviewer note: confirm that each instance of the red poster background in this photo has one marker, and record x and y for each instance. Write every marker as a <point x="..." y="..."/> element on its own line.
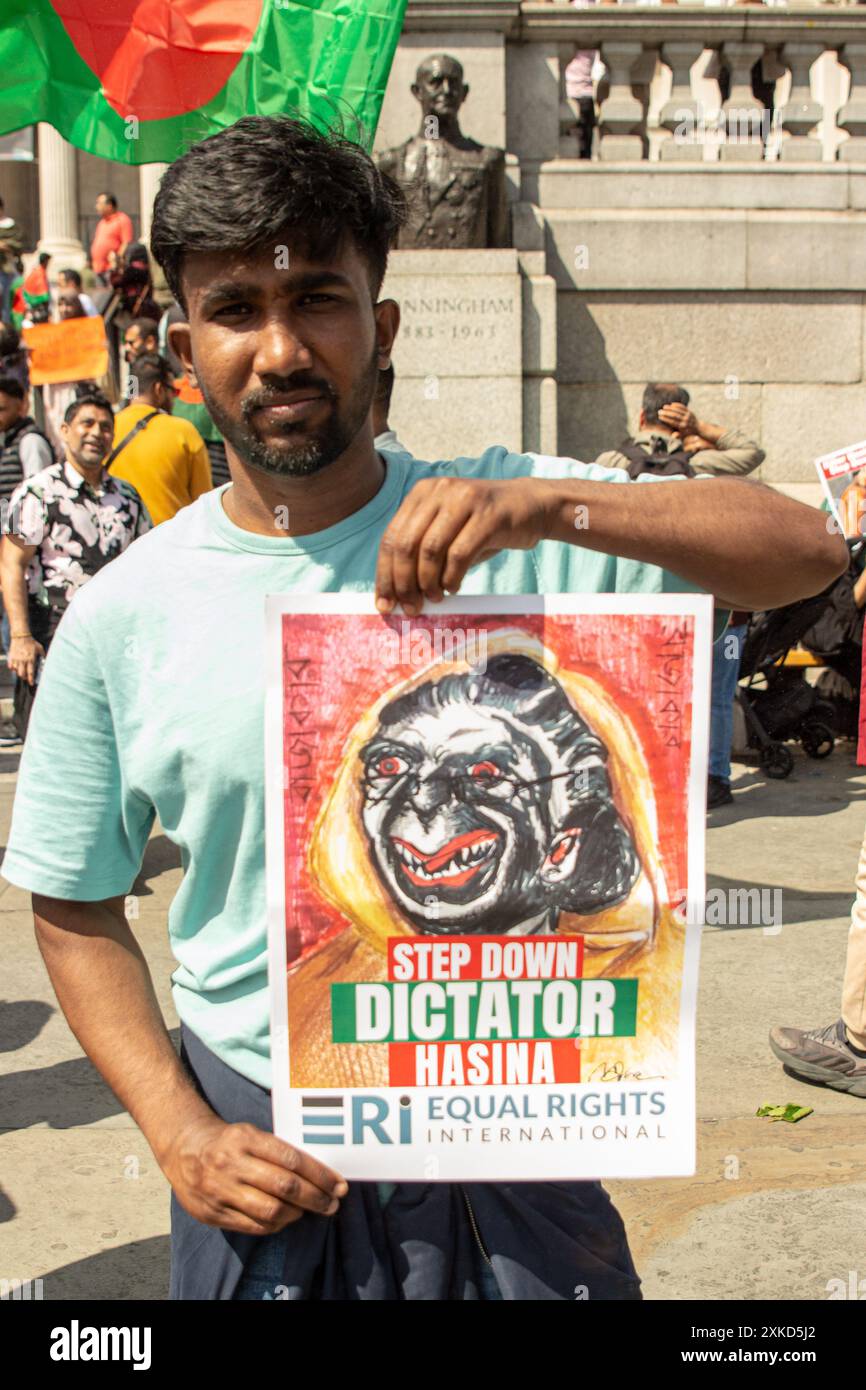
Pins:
<point x="336" y="666"/>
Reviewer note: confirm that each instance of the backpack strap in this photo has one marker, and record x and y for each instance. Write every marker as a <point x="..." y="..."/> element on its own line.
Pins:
<point x="660" y="464"/>
<point x="139" y="425"/>
<point x="633" y="452"/>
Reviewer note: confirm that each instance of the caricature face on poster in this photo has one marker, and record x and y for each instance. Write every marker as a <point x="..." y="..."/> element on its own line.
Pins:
<point x="485" y="832"/>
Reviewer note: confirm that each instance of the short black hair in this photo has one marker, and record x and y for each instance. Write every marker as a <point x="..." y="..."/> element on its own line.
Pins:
<point x="10" y="340"/>
<point x="148" y="328"/>
<point x="11" y="386"/>
<point x="44" y="257"/>
<point x="147" y="370"/>
<point x="659" y="393"/>
<point x="74" y="298"/>
<point x="94" y="398"/>
<point x="268" y="177"/>
<point x="385" y="387"/>
<point x="109" y="198"/>
<point x="72" y="275"/>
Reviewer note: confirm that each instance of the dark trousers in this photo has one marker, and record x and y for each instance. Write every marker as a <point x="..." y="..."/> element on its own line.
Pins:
<point x="585" y="126"/>
<point x="550" y="1241"/>
<point x="43" y="625"/>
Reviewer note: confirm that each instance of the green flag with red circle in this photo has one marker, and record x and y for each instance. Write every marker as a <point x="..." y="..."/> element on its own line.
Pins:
<point x="141" y="80"/>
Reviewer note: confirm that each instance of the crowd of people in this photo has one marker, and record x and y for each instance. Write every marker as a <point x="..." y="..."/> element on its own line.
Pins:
<point x="303" y="395"/>
<point x="86" y="465"/>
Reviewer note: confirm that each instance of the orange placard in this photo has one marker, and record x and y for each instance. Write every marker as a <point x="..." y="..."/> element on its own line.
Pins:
<point x="74" y="350"/>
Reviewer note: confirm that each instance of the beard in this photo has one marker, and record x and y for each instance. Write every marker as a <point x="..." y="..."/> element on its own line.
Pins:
<point x="299" y="451"/>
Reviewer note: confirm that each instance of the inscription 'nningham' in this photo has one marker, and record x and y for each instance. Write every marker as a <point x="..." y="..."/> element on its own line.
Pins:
<point x="441" y="305"/>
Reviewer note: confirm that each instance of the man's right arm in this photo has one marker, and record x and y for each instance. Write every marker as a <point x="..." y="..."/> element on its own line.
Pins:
<point x="734" y="454"/>
<point x="24" y="650"/>
<point x="76" y="842"/>
<point x="727" y="452"/>
<point x="234" y="1176"/>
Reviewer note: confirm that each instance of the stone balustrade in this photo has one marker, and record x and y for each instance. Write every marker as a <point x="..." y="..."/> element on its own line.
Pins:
<point x="684" y="82"/>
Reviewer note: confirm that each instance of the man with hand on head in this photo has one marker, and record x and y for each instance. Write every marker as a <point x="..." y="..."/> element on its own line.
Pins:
<point x="288" y="362"/>
<point x="666" y="425"/>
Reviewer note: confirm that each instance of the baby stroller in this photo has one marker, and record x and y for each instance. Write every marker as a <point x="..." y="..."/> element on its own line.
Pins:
<point x="786" y="706"/>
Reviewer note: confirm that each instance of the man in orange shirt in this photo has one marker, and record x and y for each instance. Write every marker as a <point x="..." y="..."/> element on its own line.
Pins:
<point x="164" y="458"/>
<point x="112" y="236"/>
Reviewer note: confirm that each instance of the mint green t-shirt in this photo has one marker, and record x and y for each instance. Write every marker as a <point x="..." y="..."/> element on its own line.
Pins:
<point x="151" y="703"/>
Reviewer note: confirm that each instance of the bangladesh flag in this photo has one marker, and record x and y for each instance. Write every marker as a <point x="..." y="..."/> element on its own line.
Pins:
<point x="141" y="80"/>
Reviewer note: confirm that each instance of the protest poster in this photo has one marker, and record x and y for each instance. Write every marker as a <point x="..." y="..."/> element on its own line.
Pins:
<point x="72" y="350"/>
<point x="843" y="478"/>
<point x="485" y="838"/>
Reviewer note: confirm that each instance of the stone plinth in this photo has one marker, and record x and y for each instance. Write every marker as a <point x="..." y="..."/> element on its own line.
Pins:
<point x="475" y="357"/>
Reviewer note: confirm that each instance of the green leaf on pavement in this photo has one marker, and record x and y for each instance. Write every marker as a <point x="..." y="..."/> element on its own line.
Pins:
<point x="791" y="1113"/>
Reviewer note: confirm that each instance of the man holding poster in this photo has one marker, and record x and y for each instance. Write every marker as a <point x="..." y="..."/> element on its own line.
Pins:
<point x="274" y="239"/>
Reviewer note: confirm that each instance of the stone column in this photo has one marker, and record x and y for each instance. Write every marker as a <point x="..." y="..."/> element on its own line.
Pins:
<point x="800" y="114"/>
<point x="852" y="116"/>
<point x="58" y="201"/>
<point x="744" y="114"/>
<point x="621" y="118"/>
<point x="149" y="176"/>
<point x="681" y="114"/>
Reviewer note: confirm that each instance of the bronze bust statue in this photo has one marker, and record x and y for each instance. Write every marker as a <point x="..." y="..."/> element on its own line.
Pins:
<point x="456" y="187"/>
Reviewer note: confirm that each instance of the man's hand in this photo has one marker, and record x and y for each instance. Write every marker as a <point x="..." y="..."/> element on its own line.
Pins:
<point x="24" y="652"/>
<point x="695" y="443"/>
<point x="446" y="525"/>
<point x="243" y="1179"/>
<point x="679" y="418"/>
<point x="684" y="421"/>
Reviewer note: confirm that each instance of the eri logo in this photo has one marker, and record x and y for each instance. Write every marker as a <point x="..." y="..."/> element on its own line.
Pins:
<point x="358" y="1119"/>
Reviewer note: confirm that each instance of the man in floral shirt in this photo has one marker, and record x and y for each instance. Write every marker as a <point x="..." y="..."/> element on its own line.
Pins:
<point x="63" y="525"/>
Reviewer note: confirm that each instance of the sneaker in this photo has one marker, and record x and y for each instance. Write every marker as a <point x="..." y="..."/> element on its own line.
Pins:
<point x="718" y="792"/>
<point x="821" y="1054"/>
<point x="9" y="735"/>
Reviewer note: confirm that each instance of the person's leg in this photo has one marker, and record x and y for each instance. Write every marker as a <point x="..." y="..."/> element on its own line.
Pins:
<point x="854" y="984"/>
<point x="9" y="735"/>
<point x="6" y="278"/>
<point x="726" y="669"/>
<point x="43" y="624"/>
<point x="262" y="1279"/>
<point x="836" y="1054"/>
<point x="586" y="125"/>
